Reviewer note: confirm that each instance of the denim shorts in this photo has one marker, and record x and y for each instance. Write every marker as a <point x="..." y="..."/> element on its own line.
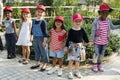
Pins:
<point x="59" y="54"/>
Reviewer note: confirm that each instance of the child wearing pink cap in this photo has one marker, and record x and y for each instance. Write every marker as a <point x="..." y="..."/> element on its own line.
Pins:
<point x="24" y="38"/>
<point x="100" y="35"/>
<point x="76" y="36"/>
<point x="57" y="44"/>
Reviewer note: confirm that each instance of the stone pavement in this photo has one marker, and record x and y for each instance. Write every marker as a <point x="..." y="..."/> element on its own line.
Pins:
<point x="10" y="69"/>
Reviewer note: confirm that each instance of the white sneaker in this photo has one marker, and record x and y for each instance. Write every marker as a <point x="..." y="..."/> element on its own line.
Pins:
<point x="52" y="70"/>
<point x="70" y="75"/>
<point x="77" y="74"/>
<point x="60" y="72"/>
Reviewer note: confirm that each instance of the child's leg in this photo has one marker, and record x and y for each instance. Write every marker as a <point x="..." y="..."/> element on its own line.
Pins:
<point x="95" y="57"/>
<point x="54" y="61"/>
<point x="28" y="52"/>
<point x="60" y="60"/>
<point x="70" y="65"/>
<point x="7" y="38"/>
<point x="77" y="72"/>
<point x="24" y="52"/>
<point x="60" y="66"/>
<point x="13" y="45"/>
<point x="100" y="57"/>
<point x="70" y="74"/>
<point x="53" y="69"/>
<point x="77" y="64"/>
<point x="36" y="44"/>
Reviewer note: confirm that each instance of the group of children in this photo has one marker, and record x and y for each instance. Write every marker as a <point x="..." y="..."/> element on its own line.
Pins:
<point x="58" y="35"/>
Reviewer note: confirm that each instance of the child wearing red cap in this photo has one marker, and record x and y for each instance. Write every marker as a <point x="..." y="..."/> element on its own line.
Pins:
<point x="39" y="32"/>
<point x="24" y="38"/>
<point x="57" y="44"/>
<point x="100" y="35"/>
<point x="10" y="32"/>
<point x="76" y="35"/>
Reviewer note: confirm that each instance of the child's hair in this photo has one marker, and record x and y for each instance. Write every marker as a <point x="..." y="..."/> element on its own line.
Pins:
<point x="26" y="10"/>
<point x="59" y="18"/>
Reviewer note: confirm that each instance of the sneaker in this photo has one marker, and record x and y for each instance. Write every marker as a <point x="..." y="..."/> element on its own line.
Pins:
<point x="77" y="74"/>
<point x="100" y="67"/>
<point x="60" y="72"/>
<point x="42" y="69"/>
<point x="21" y="61"/>
<point x="25" y="62"/>
<point x="70" y="75"/>
<point x="35" y="66"/>
<point x="52" y="70"/>
<point x="95" y="68"/>
<point x="9" y="57"/>
<point x="13" y="56"/>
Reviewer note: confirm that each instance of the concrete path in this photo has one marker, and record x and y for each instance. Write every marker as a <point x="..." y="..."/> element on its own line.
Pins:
<point x="10" y="69"/>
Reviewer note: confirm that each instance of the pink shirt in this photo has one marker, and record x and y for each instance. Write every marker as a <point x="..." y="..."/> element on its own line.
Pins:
<point x="103" y="33"/>
<point x="57" y="40"/>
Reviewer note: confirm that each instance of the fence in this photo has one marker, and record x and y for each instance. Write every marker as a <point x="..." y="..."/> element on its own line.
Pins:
<point x="68" y="7"/>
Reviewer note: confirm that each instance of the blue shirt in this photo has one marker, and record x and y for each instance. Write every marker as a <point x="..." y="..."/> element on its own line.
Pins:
<point x="39" y="28"/>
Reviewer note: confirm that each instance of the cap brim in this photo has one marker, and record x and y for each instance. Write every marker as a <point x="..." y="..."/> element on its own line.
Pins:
<point x="110" y="10"/>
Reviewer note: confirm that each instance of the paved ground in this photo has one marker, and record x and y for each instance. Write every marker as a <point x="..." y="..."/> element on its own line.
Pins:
<point x="10" y="69"/>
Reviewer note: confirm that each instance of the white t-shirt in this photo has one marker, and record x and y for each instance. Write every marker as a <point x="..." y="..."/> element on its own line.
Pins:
<point x="1" y="11"/>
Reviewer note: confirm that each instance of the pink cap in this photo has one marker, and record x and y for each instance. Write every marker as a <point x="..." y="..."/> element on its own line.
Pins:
<point x="27" y="10"/>
<point x="59" y="18"/>
<point x="41" y="7"/>
<point x="8" y="8"/>
<point x="77" y="16"/>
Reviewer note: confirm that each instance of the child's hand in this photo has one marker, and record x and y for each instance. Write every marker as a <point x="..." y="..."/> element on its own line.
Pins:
<point x="90" y="43"/>
<point x="66" y="50"/>
<point x="0" y="25"/>
<point x="16" y="36"/>
<point x="30" y="39"/>
<point x="44" y="44"/>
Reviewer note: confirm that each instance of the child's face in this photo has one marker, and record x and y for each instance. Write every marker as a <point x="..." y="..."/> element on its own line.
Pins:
<point x="58" y="24"/>
<point x="104" y="14"/>
<point x="8" y="14"/>
<point x="39" y="13"/>
<point x="77" y="23"/>
<point x="25" y="15"/>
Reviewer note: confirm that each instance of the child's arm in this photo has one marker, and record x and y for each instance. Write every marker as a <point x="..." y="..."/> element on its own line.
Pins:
<point x="92" y="36"/>
<point x="114" y="26"/>
<point x="85" y="38"/>
<point x="30" y="28"/>
<point x="14" y="26"/>
<point x="44" y="31"/>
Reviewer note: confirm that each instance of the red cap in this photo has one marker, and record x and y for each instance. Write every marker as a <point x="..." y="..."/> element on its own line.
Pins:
<point x="8" y="8"/>
<point x="41" y="7"/>
<point x="27" y="10"/>
<point x="104" y="6"/>
<point x="59" y="18"/>
<point x="77" y="16"/>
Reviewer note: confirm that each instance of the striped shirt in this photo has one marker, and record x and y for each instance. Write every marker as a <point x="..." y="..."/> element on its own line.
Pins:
<point x="103" y="32"/>
<point x="57" y="40"/>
